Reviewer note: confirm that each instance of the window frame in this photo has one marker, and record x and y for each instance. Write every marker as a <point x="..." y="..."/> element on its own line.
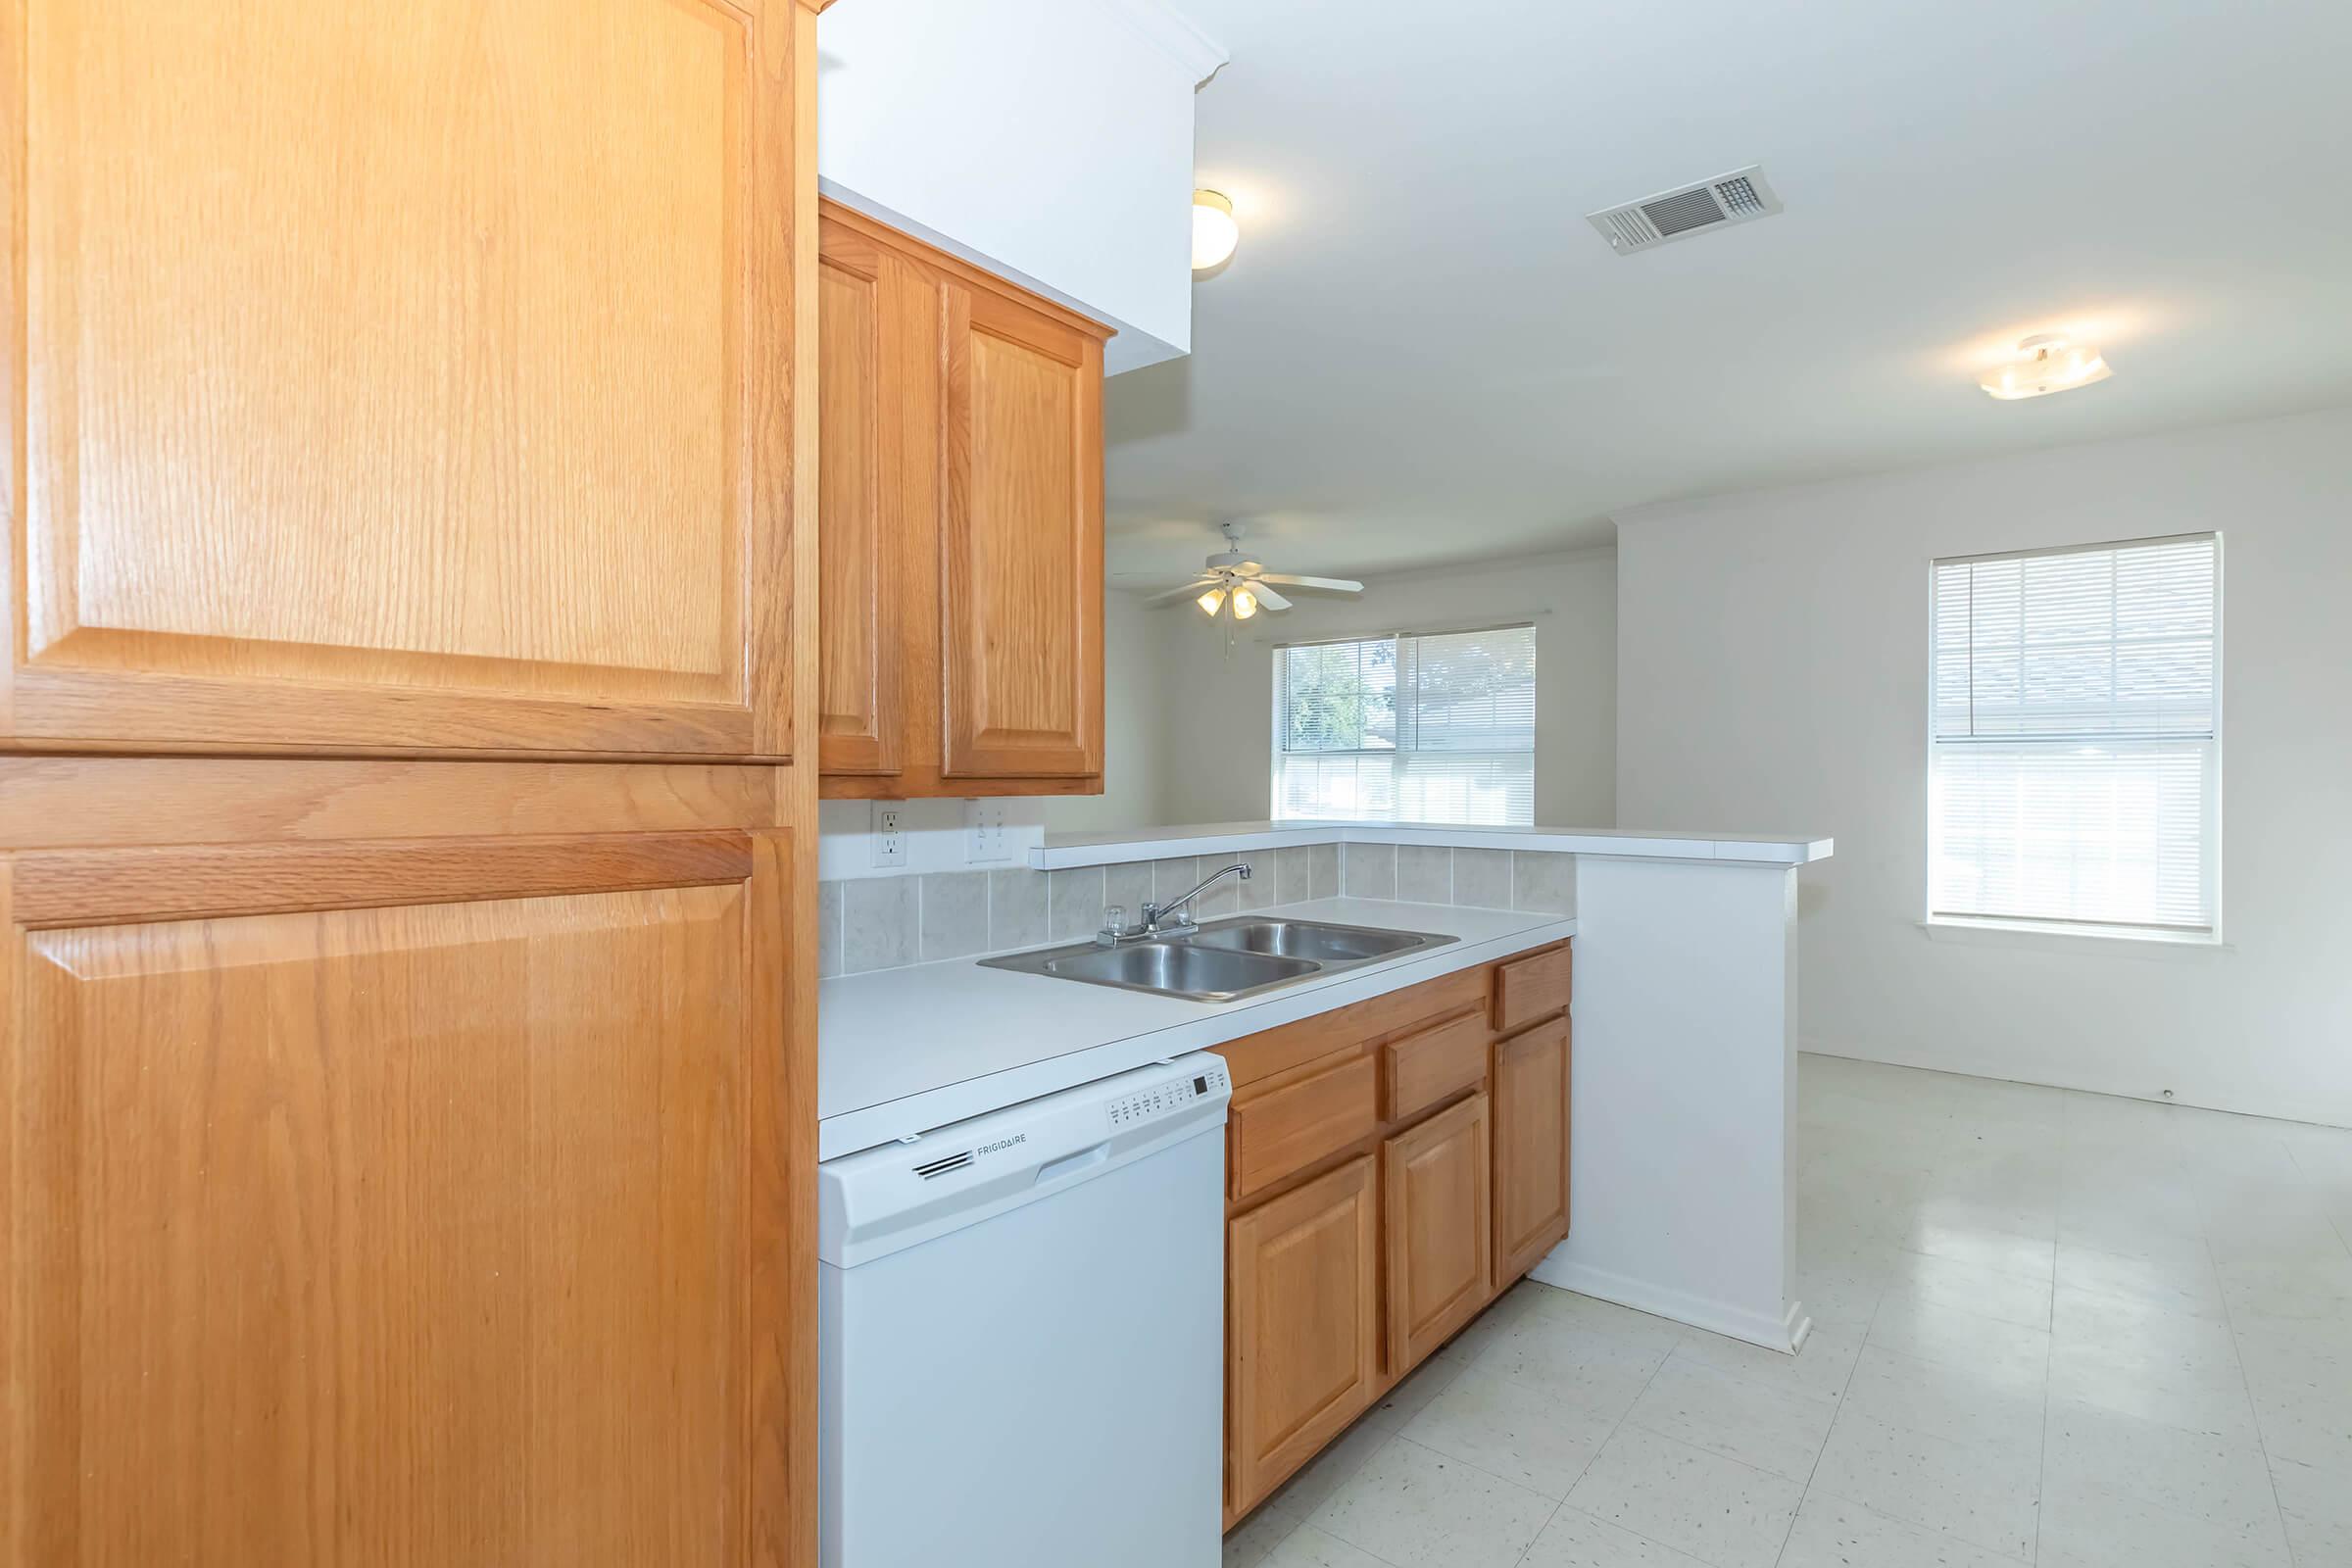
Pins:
<point x="2064" y="929"/>
<point x="1396" y="754"/>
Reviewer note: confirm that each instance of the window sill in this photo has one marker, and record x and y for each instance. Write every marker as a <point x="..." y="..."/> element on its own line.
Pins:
<point x="2120" y="941"/>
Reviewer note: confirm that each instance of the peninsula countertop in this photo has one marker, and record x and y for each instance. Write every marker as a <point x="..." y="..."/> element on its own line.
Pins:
<point x="902" y="1051"/>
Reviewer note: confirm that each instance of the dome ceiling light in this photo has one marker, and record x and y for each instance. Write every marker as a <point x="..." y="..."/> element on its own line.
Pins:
<point x="2046" y="362"/>
<point x="1214" y="233"/>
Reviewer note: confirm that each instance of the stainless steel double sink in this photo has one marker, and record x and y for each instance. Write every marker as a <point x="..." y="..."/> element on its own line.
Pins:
<point x="1223" y="960"/>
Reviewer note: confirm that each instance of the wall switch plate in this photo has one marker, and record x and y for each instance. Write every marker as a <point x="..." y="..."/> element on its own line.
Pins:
<point x="985" y="838"/>
<point x="889" y="833"/>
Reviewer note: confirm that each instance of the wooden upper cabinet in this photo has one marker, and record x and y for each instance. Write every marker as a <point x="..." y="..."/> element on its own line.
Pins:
<point x="403" y="379"/>
<point x="1021" y="558"/>
<point x="405" y="1202"/>
<point x="876" y="319"/>
<point x="961" y="614"/>
<point x="1530" y="1145"/>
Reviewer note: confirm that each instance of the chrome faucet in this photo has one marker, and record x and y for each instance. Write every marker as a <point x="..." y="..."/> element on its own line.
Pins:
<point x="1155" y="922"/>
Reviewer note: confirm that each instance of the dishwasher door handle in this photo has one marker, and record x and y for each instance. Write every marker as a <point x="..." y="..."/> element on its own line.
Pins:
<point x="1056" y="1169"/>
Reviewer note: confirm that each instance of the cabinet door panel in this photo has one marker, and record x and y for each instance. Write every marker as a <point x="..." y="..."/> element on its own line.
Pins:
<point x="403" y="379"/>
<point x="366" y="1229"/>
<point x="1532" y="1073"/>
<point x="878" y="387"/>
<point x="1304" y="1325"/>
<point x="1021" y="558"/>
<point x="1441" y="1256"/>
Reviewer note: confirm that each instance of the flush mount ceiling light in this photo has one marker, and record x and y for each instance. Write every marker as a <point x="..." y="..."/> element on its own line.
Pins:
<point x="2046" y="362"/>
<point x="1214" y="233"/>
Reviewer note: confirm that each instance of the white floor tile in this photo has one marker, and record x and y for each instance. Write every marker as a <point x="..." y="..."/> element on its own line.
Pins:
<point x="1599" y="1374"/>
<point x="1819" y="1370"/>
<point x="1248" y="1543"/>
<point x="1310" y="1548"/>
<point x="1723" y="1513"/>
<point x="2095" y="1529"/>
<point x="1983" y="1494"/>
<point x="1833" y="1533"/>
<point x="1413" y="1507"/>
<point x="2223" y="1484"/>
<point x="2318" y="1508"/>
<point x="1968" y="1339"/>
<point x="2174" y="1277"/>
<point x="1327" y="1472"/>
<point x="1522" y="1434"/>
<point x="1960" y="1404"/>
<point x="1577" y="1540"/>
<point x="1921" y="1281"/>
<point x="1710" y="1409"/>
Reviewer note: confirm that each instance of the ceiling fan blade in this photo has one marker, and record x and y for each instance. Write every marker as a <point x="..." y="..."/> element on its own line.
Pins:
<point x="1188" y="591"/>
<point x="1266" y="595"/>
<point x="1330" y="585"/>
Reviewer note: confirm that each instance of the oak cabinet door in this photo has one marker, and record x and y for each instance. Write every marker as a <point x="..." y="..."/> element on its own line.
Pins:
<point x="401" y="379"/>
<point x="1439" y="1235"/>
<point x="1531" y="1145"/>
<point x="1304" y="1325"/>
<point x="1021" y="553"/>
<point x="878" y="476"/>
<point x="420" y="1202"/>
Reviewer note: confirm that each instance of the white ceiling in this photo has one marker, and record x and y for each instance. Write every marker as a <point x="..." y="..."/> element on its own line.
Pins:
<point x="1423" y="352"/>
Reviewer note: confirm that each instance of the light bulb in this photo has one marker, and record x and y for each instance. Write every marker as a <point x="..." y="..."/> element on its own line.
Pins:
<point x="1209" y="601"/>
<point x="1214" y="233"/>
<point x="1245" y="604"/>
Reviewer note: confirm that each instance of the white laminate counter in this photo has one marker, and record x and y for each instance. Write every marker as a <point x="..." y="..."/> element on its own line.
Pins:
<point x="900" y="1051"/>
<point x="1061" y="851"/>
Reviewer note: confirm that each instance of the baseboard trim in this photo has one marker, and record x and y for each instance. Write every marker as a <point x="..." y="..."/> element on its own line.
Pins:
<point x="1784" y="1333"/>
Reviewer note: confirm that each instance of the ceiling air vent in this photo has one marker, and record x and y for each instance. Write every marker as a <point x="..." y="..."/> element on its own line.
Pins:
<point x="1739" y="197"/>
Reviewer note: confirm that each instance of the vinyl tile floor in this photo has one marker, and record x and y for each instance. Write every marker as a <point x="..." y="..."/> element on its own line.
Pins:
<point x="2050" y="1328"/>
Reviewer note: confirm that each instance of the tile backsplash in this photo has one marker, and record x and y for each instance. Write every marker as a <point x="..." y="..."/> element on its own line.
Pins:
<point x="886" y="922"/>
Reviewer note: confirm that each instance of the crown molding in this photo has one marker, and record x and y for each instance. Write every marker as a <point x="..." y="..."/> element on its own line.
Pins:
<point x="1175" y="35"/>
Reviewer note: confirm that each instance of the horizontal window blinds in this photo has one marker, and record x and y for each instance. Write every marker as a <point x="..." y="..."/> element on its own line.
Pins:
<point x="1414" y="728"/>
<point x="2075" y="735"/>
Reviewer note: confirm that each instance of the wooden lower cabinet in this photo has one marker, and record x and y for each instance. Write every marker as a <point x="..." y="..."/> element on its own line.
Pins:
<point x="1393" y="1168"/>
<point x="1530" y="1145"/>
<point x="1435" y="1186"/>
<point x="407" y="1201"/>
<point x="1302" y="1281"/>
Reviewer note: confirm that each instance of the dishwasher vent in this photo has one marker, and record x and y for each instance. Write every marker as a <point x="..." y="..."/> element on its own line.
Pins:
<point x="1739" y="197"/>
<point x="944" y="1164"/>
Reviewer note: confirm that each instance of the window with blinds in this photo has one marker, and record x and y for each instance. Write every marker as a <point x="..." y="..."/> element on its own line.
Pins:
<point x="2075" y="746"/>
<point x="1437" y="727"/>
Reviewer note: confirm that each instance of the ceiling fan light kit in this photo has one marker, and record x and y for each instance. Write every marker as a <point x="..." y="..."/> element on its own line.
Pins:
<point x="1234" y="587"/>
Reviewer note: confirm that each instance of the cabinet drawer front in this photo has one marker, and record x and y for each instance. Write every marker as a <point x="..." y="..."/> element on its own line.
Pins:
<point x="1526" y="989"/>
<point x="1422" y="1070"/>
<point x="1289" y="1128"/>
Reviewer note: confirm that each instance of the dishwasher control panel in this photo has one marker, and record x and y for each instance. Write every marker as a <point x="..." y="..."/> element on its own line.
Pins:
<point x="1149" y="1105"/>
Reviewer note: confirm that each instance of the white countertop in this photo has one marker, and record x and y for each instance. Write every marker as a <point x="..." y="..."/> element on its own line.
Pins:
<point x="1064" y="850"/>
<point x="900" y="1051"/>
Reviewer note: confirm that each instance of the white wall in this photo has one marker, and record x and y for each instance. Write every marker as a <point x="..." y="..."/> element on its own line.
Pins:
<point x="1135" y="729"/>
<point x="1048" y="140"/>
<point x="1219" y="725"/>
<point x="1772" y="658"/>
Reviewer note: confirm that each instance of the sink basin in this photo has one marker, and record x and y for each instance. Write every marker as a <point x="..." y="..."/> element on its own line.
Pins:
<point x="1179" y="968"/>
<point x="1311" y="939"/>
<point x="1234" y="957"/>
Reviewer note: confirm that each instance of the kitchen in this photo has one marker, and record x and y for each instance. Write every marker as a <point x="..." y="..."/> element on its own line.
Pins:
<point x="841" y="781"/>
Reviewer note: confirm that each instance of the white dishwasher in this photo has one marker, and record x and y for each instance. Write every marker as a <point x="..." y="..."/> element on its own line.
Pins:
<point x="1021" y="1334"/>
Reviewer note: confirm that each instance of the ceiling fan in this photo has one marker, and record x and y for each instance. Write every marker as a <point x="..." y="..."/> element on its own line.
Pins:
<point x="1233" y="585"/>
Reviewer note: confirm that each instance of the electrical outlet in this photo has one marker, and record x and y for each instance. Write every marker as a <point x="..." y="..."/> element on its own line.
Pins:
<point x="985" y="838"/>
<point x="889" y="833"/>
